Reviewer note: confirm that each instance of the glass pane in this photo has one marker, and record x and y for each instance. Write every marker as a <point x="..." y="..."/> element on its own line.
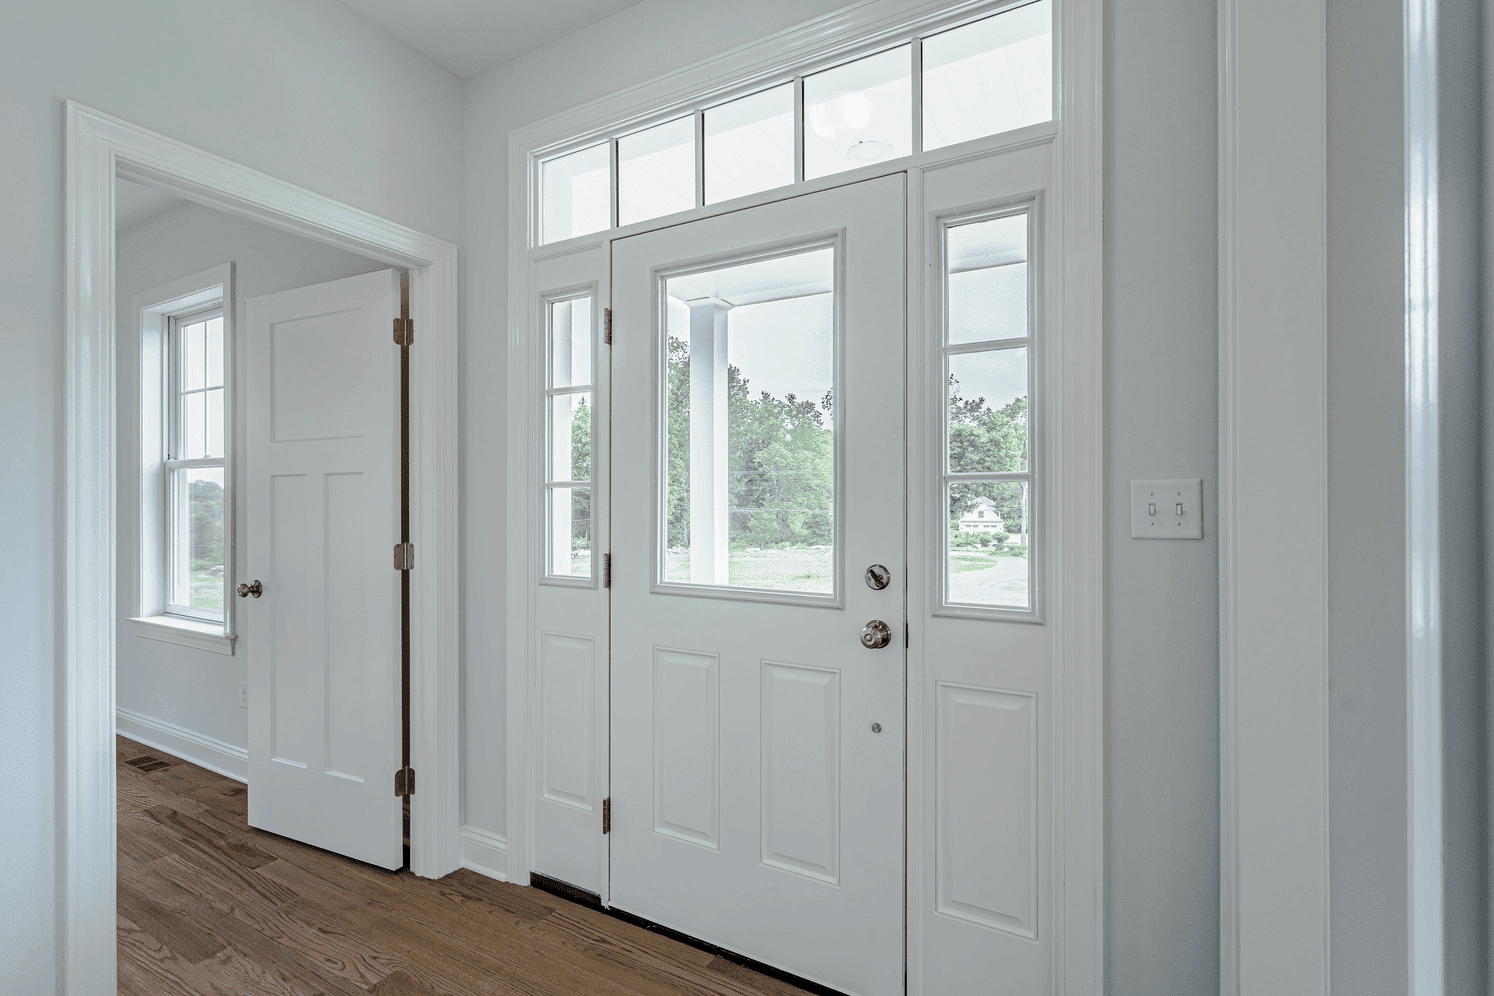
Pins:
<point x="570" y="437"/>
<point x="197" y="580"/>
<point x="656" y="171"/>
<point x="988" y="77"/>
<point x="749" y="144"/>
<point x="988" y="288"/>
<point x="194" y="356"/>
<point x="194" y="427"/>
<point x="749" y="496"/>
<point x="988" y="542"/>
<point x="575" y="194"/>
<point x="214" y="422"/>
<point x="215" y="352"/>
<point x="570" y="343"/>
<point x="988" y="412"/>
<point x="570" y="532"/>
<point x="858" y="113"/>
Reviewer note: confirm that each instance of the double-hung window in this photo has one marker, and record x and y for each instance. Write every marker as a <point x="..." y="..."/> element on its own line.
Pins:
<point x="196" y="474"/>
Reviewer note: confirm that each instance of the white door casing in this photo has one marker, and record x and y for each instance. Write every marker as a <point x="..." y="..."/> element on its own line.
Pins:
<point x="753" y="805"/>
<point x="322" y="403"/>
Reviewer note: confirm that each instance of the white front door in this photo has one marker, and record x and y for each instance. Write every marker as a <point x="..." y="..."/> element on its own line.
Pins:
<point x="323" y="517"/>
<point x="758" y="476"/>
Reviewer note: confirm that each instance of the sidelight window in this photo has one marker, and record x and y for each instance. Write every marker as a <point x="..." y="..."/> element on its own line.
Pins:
<point x="957" y="83"/>
<point x="568" y="438"/>
<point x="987" y="370"/>
<point x="195" y="467"/>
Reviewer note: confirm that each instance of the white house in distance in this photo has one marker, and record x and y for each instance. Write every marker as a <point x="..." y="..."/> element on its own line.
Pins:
<point x="983" y="518"/>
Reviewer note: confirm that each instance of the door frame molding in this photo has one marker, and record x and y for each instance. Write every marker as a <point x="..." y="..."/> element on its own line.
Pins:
<point x="1273" y="437"/>
<point x="1078" y="836"/>
<point x="100" y="147"/>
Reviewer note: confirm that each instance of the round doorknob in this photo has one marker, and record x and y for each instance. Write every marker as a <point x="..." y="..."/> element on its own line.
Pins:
<point x="245" y="590"/>
<point x="875" y="635"/>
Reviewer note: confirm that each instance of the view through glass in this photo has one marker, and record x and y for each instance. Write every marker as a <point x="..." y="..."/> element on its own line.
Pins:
<point x="569" y="431"/>
<point x="988" y="472"/>
<point x="196" y="470"/>
<point x="749" y="493"/>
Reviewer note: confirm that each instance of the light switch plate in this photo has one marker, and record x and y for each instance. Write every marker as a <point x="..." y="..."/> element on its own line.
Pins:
<point x="1167" y="509"/>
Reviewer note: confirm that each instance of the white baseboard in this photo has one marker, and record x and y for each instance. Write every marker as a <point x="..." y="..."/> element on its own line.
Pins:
<point x="204" y="751"/>
<point x="485" y="853"/>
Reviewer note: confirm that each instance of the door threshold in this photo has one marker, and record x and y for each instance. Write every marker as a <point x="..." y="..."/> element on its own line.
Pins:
<point x="583" y="897"/>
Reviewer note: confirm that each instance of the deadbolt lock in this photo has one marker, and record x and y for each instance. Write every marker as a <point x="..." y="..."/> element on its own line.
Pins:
<point x="876" y="635"/>
<point x="878" y="577"/>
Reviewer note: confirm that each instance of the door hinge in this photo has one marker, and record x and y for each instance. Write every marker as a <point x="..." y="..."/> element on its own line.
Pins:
<point x="907" y="636"/>
<point x="606" y="570"/>
<point x="404" y="781"/>
<point x="404" y="556"/>
<point x="607" y="326"/>
<point x="607" y="815"/>
<point x="404" y="331"/>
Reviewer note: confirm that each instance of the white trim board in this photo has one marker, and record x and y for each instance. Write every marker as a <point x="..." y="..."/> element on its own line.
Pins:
<point x="198" y="748"/>
<point x="485" y="852"/>
<point x="1079" y="782"/>
<point x="1273" y="437"/>
<point x="100" y="147"/>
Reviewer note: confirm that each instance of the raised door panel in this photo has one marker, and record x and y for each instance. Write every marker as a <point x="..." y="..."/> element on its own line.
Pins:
<point x="687" y="745"/>
<point x="986" y="807"/>
<point x="566" y="685"/>
<point x="318" y="385"/>
<point x="801" y="770"/>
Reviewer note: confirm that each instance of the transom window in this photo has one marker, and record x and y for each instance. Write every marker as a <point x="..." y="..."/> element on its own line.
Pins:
<point x="982" y="78"/>
<point x="195" y="467"/>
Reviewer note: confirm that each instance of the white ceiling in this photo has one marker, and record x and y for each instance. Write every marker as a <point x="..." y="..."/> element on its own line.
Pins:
<point x="469" y="37"/>
<point x="134" y="203"/>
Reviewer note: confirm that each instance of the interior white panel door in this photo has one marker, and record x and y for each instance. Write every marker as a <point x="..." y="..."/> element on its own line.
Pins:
<point x="322" y="402"/>
<point x="757" y="447"/>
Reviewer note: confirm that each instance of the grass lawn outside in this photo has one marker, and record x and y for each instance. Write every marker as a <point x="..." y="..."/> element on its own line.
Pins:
<point x="207" y="590"/>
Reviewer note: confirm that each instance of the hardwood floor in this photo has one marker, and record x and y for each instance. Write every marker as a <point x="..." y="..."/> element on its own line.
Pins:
<point x="208" y="905"/>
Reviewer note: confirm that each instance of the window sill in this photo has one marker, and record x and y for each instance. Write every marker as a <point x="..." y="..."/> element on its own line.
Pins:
<point x="185" y="632"/>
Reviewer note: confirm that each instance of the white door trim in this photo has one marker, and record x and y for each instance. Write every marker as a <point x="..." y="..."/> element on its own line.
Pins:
<point x="1273" y="393"/>
<point x="99" y="147"/>
<point x="1079" y="739"/>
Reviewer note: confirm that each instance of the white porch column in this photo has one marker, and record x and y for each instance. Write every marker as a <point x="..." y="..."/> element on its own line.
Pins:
<point x="710" y="525"/>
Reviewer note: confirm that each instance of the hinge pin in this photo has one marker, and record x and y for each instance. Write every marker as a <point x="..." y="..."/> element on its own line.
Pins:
<point x="607" y="815"/>
<point x="404" y="781"/>
<point x="404" y="331"/>
<point x="606" y="570"/>
<point x="607" y="326"/>
<point x="404" y="556"/>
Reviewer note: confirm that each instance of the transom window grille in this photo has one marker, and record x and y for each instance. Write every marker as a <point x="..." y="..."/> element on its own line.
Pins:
<point x="988" y="472"/>
<point x="982" y="78"/>
<point x="195" y="468"/>
<point x="568" y="436"/>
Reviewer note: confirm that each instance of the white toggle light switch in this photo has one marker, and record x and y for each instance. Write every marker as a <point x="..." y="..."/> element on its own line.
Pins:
<point x="1180" y="504"/>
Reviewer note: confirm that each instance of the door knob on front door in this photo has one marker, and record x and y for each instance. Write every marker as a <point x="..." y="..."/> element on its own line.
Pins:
<point x="876" y="635"/>
<point x="245" y="590"/>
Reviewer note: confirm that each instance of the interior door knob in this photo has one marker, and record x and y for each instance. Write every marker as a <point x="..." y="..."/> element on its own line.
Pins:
<point x="245" y="590"/>
<point x="875" y="635"/>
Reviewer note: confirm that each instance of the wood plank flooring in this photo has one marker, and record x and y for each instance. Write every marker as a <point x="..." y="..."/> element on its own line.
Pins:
<point x="210" y="907"/>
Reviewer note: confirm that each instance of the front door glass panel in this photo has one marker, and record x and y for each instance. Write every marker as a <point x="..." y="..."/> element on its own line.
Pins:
<point x="749" y="429"/>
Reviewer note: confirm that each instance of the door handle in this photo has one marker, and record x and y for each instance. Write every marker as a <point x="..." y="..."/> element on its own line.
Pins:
<point x="875" y="635"/>
<point x="245" y="590"/>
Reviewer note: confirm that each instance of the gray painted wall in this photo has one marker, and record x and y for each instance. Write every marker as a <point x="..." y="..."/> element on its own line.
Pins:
<point x="194" y="689"/>
<point x="1161" y="397"/>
